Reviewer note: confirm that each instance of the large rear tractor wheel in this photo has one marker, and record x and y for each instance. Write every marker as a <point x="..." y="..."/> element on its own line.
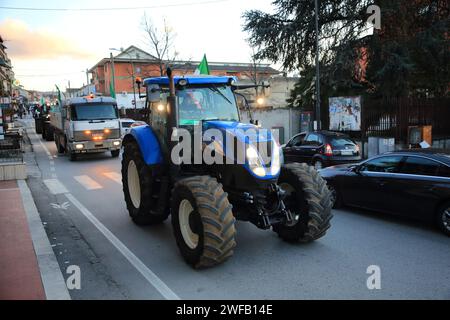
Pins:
<point x="141" y="188"/>
<point x="309" y="201"/>
<point x="203" y="222"/>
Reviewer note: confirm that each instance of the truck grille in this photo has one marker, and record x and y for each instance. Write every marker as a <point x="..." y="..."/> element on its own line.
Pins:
<point x="89" y="135"/>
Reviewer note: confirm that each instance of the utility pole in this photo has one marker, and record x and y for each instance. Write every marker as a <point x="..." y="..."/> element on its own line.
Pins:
<point x="132" y="82"/>
<point x="113" y="72"/>
<point x="87" y="81"/>
<point x="317" y="67"/>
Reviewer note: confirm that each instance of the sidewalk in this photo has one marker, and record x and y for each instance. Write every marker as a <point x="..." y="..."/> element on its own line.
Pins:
<point x="28" y="267"/>
<point x="20" y="277"/>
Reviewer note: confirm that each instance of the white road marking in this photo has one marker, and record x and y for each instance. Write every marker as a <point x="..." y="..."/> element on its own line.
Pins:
<point x="117" y="177"/>
<point x="88" y="182"/>
<point x="63" y="206"/>
<point x="151" y="277"/>
<point x="43" y="146"/>
<point x="55" y="186"/>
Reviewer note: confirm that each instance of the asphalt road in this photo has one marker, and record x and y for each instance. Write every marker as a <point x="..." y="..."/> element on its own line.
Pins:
<point x="82" y="207"/>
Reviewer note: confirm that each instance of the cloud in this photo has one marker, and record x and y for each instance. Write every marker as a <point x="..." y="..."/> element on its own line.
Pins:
<point x="25" y="43"/>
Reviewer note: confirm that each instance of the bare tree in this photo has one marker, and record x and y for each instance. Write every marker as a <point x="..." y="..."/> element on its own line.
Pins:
<point x="255" y="71"/>
<point x="161" y="42"/>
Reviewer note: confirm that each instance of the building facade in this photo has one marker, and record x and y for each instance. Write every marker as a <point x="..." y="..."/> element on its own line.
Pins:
<point x="6" y="74"/>
<point x="134" y="62"/>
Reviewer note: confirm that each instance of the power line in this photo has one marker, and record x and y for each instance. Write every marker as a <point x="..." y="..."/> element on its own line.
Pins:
<point x="116" y="9"/>
<point x="46" y="75"/>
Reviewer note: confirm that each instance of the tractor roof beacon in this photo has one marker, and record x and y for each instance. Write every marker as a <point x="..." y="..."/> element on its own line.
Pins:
<point x="206" y="199"/>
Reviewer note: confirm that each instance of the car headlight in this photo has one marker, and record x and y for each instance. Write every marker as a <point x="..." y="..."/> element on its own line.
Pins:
<point x="254" y="162"/>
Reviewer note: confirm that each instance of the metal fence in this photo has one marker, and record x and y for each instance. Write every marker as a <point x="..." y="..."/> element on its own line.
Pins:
<point x="392" y="117"/>
<point x="11" y="150"/>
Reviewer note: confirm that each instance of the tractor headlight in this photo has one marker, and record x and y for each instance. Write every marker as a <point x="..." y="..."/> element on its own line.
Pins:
<point x="254" y="162"/>
<point x="276" y="159"/>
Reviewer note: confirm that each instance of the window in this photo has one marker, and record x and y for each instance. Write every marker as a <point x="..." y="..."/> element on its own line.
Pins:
<point x="420" y="166"/>
<point x="206" y="103"/>
<point x="388" y="164"/>
<point x="297" y="141"/>
<point x="93" y="112"/>
<point x="313" y="140"/>
<point x="341" y="142"/>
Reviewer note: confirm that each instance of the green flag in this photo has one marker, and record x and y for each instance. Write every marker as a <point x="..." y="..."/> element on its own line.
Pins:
<point x="59" y="95"/>
<point x="111" y="90"/>
<point x="203" y="68"/>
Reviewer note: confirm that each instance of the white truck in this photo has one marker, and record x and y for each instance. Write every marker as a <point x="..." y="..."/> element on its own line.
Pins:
<point x="86" y="125"/>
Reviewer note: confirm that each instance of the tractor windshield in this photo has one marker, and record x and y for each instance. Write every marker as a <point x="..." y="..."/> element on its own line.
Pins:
<point x="196" y="104"/>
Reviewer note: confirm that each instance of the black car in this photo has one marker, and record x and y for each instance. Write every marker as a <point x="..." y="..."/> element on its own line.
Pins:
<point x="321" y="149"/>
<point x="413" y="183"/>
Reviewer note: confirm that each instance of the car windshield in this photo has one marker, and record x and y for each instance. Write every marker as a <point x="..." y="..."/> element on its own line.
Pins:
<point x="341" y="142"/>
<point x="206" y="103"/>
<point x="94" y="112"/>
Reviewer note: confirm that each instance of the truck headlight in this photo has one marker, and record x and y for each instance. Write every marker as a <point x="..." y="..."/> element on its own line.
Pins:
<point x="79" y="146"/>
<point x="116" y="143"/>
<point x="254" y="162"/>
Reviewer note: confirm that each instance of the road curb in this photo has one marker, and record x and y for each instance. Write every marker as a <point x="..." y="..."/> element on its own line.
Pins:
<point x="52" y="278"/>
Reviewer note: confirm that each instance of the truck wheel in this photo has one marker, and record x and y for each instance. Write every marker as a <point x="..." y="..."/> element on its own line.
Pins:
<point x="309" y="201"/>
<point x="59" y="147"/>
<point x="73" y="156"/>
<point x="141" y="188"/>
<point x="47" y="133"/>
<point x="203" y="222"/>
<point x="115" y="153"/>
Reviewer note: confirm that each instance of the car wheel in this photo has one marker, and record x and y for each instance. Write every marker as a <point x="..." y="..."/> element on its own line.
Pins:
<point x="318" y="164"/>
<point x="443" y="218"/>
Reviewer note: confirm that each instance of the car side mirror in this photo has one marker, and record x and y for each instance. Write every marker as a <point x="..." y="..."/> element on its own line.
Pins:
<point x="357" y="169"/>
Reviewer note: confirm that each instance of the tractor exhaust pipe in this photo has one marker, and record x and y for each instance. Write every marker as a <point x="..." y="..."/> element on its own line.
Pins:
<point x="171" y="121"/>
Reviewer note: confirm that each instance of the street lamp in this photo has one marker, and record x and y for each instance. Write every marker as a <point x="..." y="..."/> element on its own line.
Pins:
<point x="132" y="74"/>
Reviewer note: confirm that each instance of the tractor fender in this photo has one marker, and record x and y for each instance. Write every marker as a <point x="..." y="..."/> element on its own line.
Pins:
<point x="148" y="144"/>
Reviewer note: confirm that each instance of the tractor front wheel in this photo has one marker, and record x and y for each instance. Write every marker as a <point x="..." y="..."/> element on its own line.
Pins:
<point x="203" y="222"/>
<point x="141" y="188"/>
<point x="309" y="201"/>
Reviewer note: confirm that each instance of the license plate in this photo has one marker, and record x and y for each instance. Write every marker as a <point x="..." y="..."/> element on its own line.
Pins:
<point x="347" y="152"/>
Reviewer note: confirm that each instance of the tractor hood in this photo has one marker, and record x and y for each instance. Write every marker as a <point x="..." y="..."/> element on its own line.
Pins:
<point x="244" y="132"/>
<point x="265" y="147"/>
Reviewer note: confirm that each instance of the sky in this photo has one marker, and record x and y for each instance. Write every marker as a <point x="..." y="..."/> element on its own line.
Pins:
<point x="49" y="48"/>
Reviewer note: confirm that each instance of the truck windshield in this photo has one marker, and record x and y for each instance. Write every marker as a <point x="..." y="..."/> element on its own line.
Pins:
<point x="94" y="112"/>
<point x="206" y="103"/>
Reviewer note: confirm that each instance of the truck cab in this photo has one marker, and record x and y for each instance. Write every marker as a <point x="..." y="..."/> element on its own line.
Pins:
<point x="87" y="125"/>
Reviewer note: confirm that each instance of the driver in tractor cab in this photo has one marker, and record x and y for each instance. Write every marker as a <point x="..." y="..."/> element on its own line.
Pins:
<point x="189" y="104"/>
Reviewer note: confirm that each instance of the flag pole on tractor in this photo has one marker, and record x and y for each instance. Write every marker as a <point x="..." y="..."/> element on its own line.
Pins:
<point x="203" y="67"/>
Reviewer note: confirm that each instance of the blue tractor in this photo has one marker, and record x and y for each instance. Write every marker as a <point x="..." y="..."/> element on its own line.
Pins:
<point x="204" y="198"/>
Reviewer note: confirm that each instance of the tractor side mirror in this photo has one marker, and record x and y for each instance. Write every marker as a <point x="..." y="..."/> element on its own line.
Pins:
<point x="154" y="93"/>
